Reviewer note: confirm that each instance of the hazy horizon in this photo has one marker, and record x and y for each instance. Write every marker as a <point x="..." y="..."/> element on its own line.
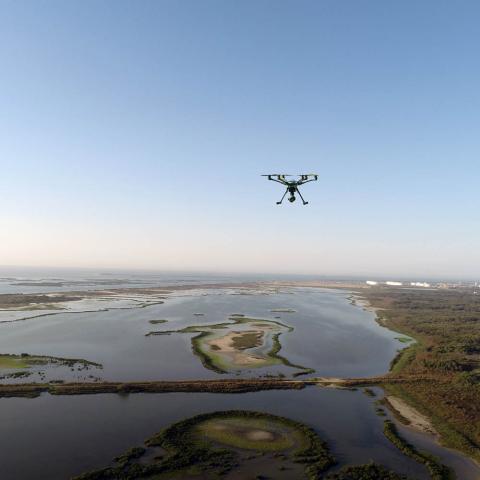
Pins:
<point x="133" y="136"/>
<point x="48" y="271"/>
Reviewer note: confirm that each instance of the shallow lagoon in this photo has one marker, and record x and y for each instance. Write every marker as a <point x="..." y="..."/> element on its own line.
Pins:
<point x="329" y="335"/>
<point x="56" y="437"/>
<point x="63" y="436"/>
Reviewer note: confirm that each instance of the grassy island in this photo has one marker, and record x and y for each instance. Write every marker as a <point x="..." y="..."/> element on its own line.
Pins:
<point x="15" y="366"/>
<point x="242" y="443"/>
<point x="18" y="301"/>
<point x="242" y="343"/>
<point x="370" y="471"/>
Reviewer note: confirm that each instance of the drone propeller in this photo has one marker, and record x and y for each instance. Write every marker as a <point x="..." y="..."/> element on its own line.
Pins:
<point x="289" y="175"/>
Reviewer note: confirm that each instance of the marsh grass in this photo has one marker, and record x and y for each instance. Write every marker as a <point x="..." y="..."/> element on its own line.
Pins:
<point x="24" y="361"/>
<point x="212" y="357"/>
<point x="188" y="449"/>
<point x="12" y="361"/>
<point x="245" y="340"/>
<point x="446" y="328"/>
<point x="240" y="432"/>
<point x="437" y="470"/>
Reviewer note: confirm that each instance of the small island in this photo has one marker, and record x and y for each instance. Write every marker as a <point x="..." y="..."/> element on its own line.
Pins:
<point x="227" y="444"/>
<point x="240" y="344"/>
<point x="23" y="365"/>
<point x="157" y="322"/>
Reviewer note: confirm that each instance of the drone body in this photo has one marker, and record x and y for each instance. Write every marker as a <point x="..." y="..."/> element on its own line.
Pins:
<point x="292" y="185"/>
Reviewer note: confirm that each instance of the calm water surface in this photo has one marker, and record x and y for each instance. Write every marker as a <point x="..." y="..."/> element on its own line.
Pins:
<point x="330" y="335"/>
<point x="57" y="437"/>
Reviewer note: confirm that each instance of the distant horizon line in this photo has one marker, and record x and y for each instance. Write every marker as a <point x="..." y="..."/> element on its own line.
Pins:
<point x="322" y="276"/>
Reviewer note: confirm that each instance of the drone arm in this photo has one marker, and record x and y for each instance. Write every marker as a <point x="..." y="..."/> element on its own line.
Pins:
<point x="278" y="181"/>
<point x="301" y="182"/>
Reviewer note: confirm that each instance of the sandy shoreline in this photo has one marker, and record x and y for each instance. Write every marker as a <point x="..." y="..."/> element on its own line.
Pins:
<point x="416" y="420"/>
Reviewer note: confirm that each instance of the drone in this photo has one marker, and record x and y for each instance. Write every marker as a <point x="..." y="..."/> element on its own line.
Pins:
<point x="292" y="185"/>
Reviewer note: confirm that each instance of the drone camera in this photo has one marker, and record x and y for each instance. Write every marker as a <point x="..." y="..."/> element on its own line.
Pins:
<point x="292" y="198"/>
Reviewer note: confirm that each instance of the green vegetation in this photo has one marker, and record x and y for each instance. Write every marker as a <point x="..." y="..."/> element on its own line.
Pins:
<point x="156" y="322"/>
<point x="144" y="305"/>
<point x="12" y="361"/>
<point x="404" y="358"/>
<point x="20" y="374"/>
<point x="370" y="471"/>
<point x="129" y="455"/>
<point x="207" y="360"/>
<point x="436" y="469"/>
<point x="249" y="433"/>
<point x="416" y="393"/>
<point x="21" y="301"/>
<point x="214" y="358"/>
<point x="190" y="444"/>
<point x="404" y="339"/>
<point x="307" y="371"/>
<point x="24" y="360"/>
<point x="32" y="390"/>
<point x="398" y="416"/>
<point x="246" y="340"/>
<point x="277" y="346"/>
<point x="441" y="371"/>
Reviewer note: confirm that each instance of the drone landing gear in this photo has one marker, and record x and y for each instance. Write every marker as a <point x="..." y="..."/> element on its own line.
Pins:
<point x="292" y="197"/>
<point x="281" y="200"/>
<point x="303" y="200"/>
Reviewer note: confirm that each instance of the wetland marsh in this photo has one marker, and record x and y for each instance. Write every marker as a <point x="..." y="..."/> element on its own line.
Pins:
<point x="240" y="344"/>
<point x="201" y="333"/>
<point x="326" y="334"/>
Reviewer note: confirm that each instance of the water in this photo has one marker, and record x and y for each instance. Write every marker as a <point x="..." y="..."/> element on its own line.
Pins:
<point x="57" y="437"/>
<point x="67" y="435"/>
<point x="330" y="335"/>
<point x="41" y="280"/>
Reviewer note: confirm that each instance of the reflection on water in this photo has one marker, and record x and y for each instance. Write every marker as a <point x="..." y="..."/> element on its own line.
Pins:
<point x="85" y="432"/>
<point x="464" y="467"/>
<point x="329" y="335"/>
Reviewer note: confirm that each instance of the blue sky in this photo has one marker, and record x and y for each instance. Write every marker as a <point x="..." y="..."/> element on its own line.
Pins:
<point x="133" y="134"/>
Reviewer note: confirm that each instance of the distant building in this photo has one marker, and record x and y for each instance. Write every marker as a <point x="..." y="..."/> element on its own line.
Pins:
<point x="394" y="284"/>
<point x="371" y="282"/>
<point x="420" y="284"/>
